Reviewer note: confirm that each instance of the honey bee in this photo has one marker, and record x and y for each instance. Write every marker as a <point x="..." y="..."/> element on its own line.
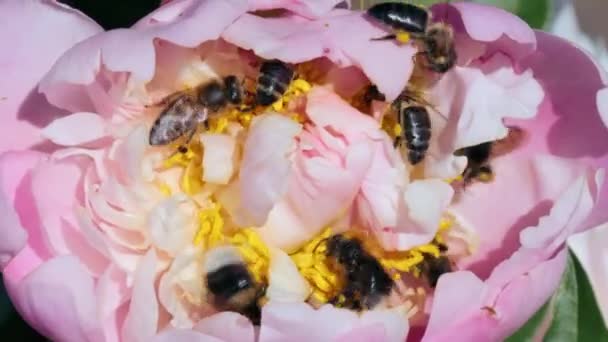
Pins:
<point x="479" y="156"/>
<point x="366" y="281"/>
<point x="273" y="81"/>
<point x="185" y="110"/>
<point x="413" y="116"/>
<point x="411" y="21"/>
<point x="434" y="267"/>
<point x="230" y="284"/>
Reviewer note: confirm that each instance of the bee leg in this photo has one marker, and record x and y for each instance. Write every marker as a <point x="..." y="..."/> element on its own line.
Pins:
<point x="397" y="142"/>
<point x="387" y="37"/>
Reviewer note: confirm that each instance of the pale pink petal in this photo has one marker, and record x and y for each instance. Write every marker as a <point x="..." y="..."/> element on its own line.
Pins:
<point x="567" y="216"/>
<point x="425" y="202"/>
<point x="75" y="129"/>
<point x="305" y="8"/>
<point x="369" y="333"/>
<point x="602" y="105"/>
<point x="393" y="321"/>
<point x="265" y="166"/>
<point x="285" y="283"/>
<point x="50" y="29"/>
<point x="476" y="102"/>
<point x="183" y="335"/>
<point x="344" y="119"/>
<point x="181" y="25"/>
<point x="527" y="190"/>
<point x="227" y="327"/>
<point x="300" y="322"/>
<point x="142" y="320"/>
<point x="172" y="225"/>
<point x="466" y="309"/>
<point x="219" y="157"/>
<point x="14" y="167"/>
<point x="111" y="291"/>
<point x="56" y="191"/>
<point x="591" y="252"/>
<point x="508" y="33"/>
<point x="341" y="36"/>
<point x="61" y="310"/>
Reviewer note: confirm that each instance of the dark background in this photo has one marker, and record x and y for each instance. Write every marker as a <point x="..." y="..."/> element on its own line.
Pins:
<point x="110" y="14"/>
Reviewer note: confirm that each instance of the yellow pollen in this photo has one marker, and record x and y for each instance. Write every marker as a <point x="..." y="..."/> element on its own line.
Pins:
<point x="453" y="179"/>
<point x="164" y="188"/>
<point x="296" y="88"/>
<point x="397" y="130"/>
<point x="403" y="37"/>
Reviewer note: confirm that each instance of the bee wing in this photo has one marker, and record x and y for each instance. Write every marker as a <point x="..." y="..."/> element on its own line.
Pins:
<point x="179" y="118"/>
<point x="514" y="139"/>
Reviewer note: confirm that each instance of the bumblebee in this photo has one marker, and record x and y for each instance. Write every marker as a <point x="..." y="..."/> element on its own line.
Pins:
<point x="479" y="156"/>
<point x="185" y="110"/>
<point x="366" y="281"/>
<point x="411" y="21"/>
<point x="415" y="121"/>
<point x="273" y="81"/>
<point x="230" y="285"/>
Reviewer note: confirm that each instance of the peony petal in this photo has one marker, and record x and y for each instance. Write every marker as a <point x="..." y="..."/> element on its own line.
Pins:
<point x="23" y="110"/>
<point x="527" y="189"/>
<point x="265" y="166"/>
<point x="172" y="224"/>
<point x="476" y="111"/>
<point x="141" y="322"/>
<point x="179" y="24"/>
<point x="112" y="291"/>
<point x="285" y="283"/>
<point x="218" y="158"/>
<point x="393" y="321"/>
<point x="14" y="166"/>
<point x="567" y="216"/>
<point x="590" y="250"/>
<point x="602" y="105"/>
<point x="341" y="36"/>
<point x="305" y="8"/>
<point x="183" y="335"/>
<point x="227" y="327"/>
<point x="465" y="309"/>
<point x="75" y="129"/>
<point x="59" y="309"/>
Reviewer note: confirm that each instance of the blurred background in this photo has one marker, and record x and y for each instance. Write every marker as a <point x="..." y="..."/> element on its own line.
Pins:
<point x="581" y="21"/>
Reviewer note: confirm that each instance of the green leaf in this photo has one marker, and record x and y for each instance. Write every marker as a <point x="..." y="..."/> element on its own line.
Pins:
<point x="571" y="314"/>
<point x="564" y="305"/>
<point x="590" y="323"/>
<point x="531" y="328"/>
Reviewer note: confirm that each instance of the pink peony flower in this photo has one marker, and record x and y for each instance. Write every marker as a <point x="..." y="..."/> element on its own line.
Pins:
<point x="106" y="238"/>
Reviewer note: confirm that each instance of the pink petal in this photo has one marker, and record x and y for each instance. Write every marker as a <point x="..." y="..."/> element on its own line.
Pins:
<point x="56" y="191"/>
<point x="14" y="167"/>
<point x="183" y="335"/>
<point x="393" y="322"/>
<point x="508" y="33"/>
<point x="527" y="191"/>
<point x="181" y="25"/>
<point x="477" y="107"/>
<point x="23" y="110"/>
<point x="61" y="310"/>
<point x="305" y="8"/>
<point x="112" y="291"/>
<point x="141" y="321"/>
<point x="227" y="327"/>
<point x="219" y="157"/>
<point x="341" y="36"/>
<point x="371" y="333"/>
<point x="265" y="166"/>
<point x="602" y="105"/>
<point x="590" y="250"/>
<point x="75" y="129"/>
<point x="344" y="119"/>
<point x="559" y="124"/>
<point x="425" y="203"/>
<point x="465" y="309"/>
<point x="567" y="216"/>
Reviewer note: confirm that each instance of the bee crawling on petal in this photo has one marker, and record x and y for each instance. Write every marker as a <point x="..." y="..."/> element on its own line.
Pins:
<point x="412" y="22"/>
<point x="184" y="111"/>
